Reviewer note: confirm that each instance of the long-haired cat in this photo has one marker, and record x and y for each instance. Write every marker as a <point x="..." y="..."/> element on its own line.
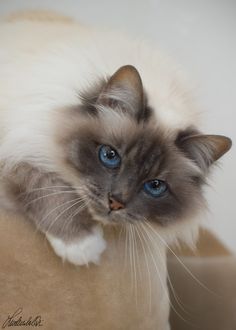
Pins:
<point x="97" y="129"/>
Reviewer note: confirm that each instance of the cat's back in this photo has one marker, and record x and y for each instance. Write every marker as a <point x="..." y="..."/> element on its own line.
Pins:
<point x="30" y="49"/>
<point x="44" y="63"/>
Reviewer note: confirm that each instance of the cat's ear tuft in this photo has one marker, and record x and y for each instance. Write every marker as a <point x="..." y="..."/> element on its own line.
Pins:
<point x="124" y="91"/>
<point x="204" y="150"/>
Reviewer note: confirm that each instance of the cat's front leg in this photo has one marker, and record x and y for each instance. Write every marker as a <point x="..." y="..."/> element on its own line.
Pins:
<point x="59" y="211"/>
<point x="80" y="251"/>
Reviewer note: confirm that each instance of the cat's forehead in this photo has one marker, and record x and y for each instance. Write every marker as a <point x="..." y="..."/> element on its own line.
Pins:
<point x="144" y="140"/>
<point x="129" y="135"/>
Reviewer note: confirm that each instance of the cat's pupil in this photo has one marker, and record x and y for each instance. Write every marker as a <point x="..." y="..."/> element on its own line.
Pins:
<point x="110" y="154"/>
<point x="109" y="157"/>
<point x="155" y="184"/>
<point x="155" y="188"/>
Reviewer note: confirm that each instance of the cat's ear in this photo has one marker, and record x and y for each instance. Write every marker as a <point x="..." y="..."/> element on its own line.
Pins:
<point x="124" y="91"/>
<point x="204" y="150"/>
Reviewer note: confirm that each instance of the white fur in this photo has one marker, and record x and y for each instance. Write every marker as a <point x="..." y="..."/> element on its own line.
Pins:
<point x="82" y="251"/>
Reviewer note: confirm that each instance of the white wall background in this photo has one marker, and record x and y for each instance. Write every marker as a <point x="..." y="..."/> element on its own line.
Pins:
<point x="201" y="36"/>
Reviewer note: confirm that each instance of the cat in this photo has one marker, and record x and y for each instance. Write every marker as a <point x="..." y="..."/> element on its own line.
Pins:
<point x="97" y="129"/>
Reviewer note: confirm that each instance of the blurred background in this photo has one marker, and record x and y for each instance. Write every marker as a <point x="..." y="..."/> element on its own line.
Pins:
<point x="201" y="37"/>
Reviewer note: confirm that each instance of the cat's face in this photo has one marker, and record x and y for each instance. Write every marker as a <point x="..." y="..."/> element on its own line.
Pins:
<point x="124" y="163"/>
<point x="129" y="167"/>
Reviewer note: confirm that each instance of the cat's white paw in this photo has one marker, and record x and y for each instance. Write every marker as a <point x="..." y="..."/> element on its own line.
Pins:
<point x="83" y="251"/>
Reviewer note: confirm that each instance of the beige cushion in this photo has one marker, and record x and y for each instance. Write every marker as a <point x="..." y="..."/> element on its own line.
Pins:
<point x="99" y="297"/>
<point x="212" y="307"/>
<point x="69" y="297"/>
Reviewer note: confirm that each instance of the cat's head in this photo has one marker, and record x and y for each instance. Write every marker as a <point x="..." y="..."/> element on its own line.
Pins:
<point x="129" y="166"/>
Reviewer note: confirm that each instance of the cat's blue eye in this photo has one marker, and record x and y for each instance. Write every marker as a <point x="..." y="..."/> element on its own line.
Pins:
<point x="109" y="157"/>
<point x="155" y="188"/>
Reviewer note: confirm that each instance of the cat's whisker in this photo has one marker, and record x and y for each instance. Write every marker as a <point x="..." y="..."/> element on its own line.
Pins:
<point x="49" y="195"/>
<point x="182" y="306"/>
<point x="136" y="247"/>
<point x="43" y="188"/>
<point x="134" y="262"/>
<point x="121" y="243"/>
<point x="128" y="250"/>
<point x="69" y="221"/>
<point x="147" y="238"/>
<point x="81" y="207"/>
<point x="138" y="229"/>
<point x="51" y="188"/>
<point x="130" y="257"/>
<point x="155" y="245"/>
<point x="51" y="211"/>
<point x="60" y="214"/>
<point x="126" y="247"/>
<point x="56" y="208"/>
<point x="120" y="233"/>
<point x="180" y="261"/>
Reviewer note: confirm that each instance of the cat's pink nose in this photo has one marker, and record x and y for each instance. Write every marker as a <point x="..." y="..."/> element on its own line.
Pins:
<point x="114" y="204"/>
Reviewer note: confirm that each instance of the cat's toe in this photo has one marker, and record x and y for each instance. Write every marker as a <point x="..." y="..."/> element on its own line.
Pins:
<point x="58" y="245"/>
